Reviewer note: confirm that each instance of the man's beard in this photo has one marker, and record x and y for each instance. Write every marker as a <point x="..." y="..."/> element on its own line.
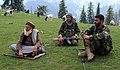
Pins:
<point x="26" y="33"/>
<point x="96" y="24"/>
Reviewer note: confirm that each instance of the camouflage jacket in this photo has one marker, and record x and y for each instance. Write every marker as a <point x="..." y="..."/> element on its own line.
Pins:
<point x="67" y="30"/>
<point x="100" y="38"/>
<point x="99" y="33"/>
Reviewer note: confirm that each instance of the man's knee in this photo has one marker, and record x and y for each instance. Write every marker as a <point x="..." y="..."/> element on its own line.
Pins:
<point x="14" y="48"/>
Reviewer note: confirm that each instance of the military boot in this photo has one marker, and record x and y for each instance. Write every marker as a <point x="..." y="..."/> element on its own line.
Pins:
<point x="90" y="55"/>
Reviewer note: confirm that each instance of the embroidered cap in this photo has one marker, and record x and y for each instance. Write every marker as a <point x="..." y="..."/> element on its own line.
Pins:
<point x="30" y="24"/>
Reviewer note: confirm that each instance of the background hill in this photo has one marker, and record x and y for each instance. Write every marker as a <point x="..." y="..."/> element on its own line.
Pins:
<point x="73" y="6"/>
<point x="58" y="58"/>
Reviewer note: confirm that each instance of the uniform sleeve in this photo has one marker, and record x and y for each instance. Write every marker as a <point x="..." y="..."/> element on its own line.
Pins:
<point x="19" y="43"/>
<point x="61" y="31"/>
<point x="88" y="31"/>
<point x="103" y="34"/>
<point x="77" y="30"/>
<point x="39" y="42"/>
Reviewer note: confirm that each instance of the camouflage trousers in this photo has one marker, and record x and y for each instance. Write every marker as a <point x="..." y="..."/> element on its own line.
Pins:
<point x="99" y="47"/>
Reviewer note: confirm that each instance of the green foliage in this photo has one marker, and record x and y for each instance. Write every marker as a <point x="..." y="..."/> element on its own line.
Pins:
<point x="98" y="9"/>
<point x="42" y="9"/>
<point x="62" y="9"/>
<point x="116" y="18"/>
<point x="90" y="13"/>
<point x="6" y="3"/>
<point x="83" y="16"/>
<point x="119" y="14"/>
<point x="57" y="58"/>
<point x="109" y="15"/>
<point x="14" y="4"/>
<point x="19" y="5"/>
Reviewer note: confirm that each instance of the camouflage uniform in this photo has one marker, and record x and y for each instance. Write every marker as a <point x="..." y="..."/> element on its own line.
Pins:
<point x="101" y="41"/>
<point x="68" y="30"/>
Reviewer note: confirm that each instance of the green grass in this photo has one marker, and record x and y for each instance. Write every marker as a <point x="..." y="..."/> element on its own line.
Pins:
<point x="58" y="58"/>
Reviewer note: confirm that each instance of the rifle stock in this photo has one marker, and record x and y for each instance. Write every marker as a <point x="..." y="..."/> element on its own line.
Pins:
<point x="68" y="38"/>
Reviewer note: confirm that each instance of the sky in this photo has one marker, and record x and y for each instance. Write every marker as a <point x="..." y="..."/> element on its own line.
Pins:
<point x="77" y="1"/>
<point x="103" y="2"/>
<point x="1" y="2"/>
<point x="84" y="1"/>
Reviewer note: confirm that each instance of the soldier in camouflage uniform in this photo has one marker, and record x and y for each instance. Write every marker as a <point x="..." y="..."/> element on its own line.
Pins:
<point x="97" y="39"/>
<point x="68" y="32"/>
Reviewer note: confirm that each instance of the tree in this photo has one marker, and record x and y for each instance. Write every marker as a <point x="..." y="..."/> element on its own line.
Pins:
<point x="19" y="5"/>
<point x="62" y="9"/>
<point x="83" y="16"/>
<point x="5" y="4"/>
<point x="109" y="15"/>
<point x="90" y="13"/>
<point x="119" y="14"/>
<point x="116" y="18"/>
<point x="98" y="9"/>
<point x="13" y="4"/>
<point x="42" y="9"/>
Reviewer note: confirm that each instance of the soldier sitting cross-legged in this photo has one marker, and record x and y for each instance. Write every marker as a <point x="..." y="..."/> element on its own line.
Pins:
<point x="97" y="39"/>
<point x="68" y="33"/>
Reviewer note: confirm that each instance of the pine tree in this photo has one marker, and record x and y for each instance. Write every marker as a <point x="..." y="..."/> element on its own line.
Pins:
<point x="42" y="9"/>
<point x="119" y="14"/>
<point x="14" y="4"/>
<point x="109" y="15"/>
<point x="83" y="16"/>
<point x="90" y="13"/>
<point x="62" y="9"/>
<point x="5" y="4"/>
<point x="116" y="18"/>
<point x="19" y="5"/>
<point x="98" y="9"/>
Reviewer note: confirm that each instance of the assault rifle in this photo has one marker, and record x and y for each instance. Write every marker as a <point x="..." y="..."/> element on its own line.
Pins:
<point x="67" y="39"/>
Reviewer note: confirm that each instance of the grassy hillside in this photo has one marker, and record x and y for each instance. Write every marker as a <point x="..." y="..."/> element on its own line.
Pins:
<point x="58" y="58"/>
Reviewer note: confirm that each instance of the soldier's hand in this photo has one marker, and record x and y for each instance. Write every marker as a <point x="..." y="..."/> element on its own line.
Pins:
<point x="34" y="51"/>
<point x="20" y="53"/>
<point x="73" y="37"/>
<point x="86" y="37"/>
<point x="60" y="39"/>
